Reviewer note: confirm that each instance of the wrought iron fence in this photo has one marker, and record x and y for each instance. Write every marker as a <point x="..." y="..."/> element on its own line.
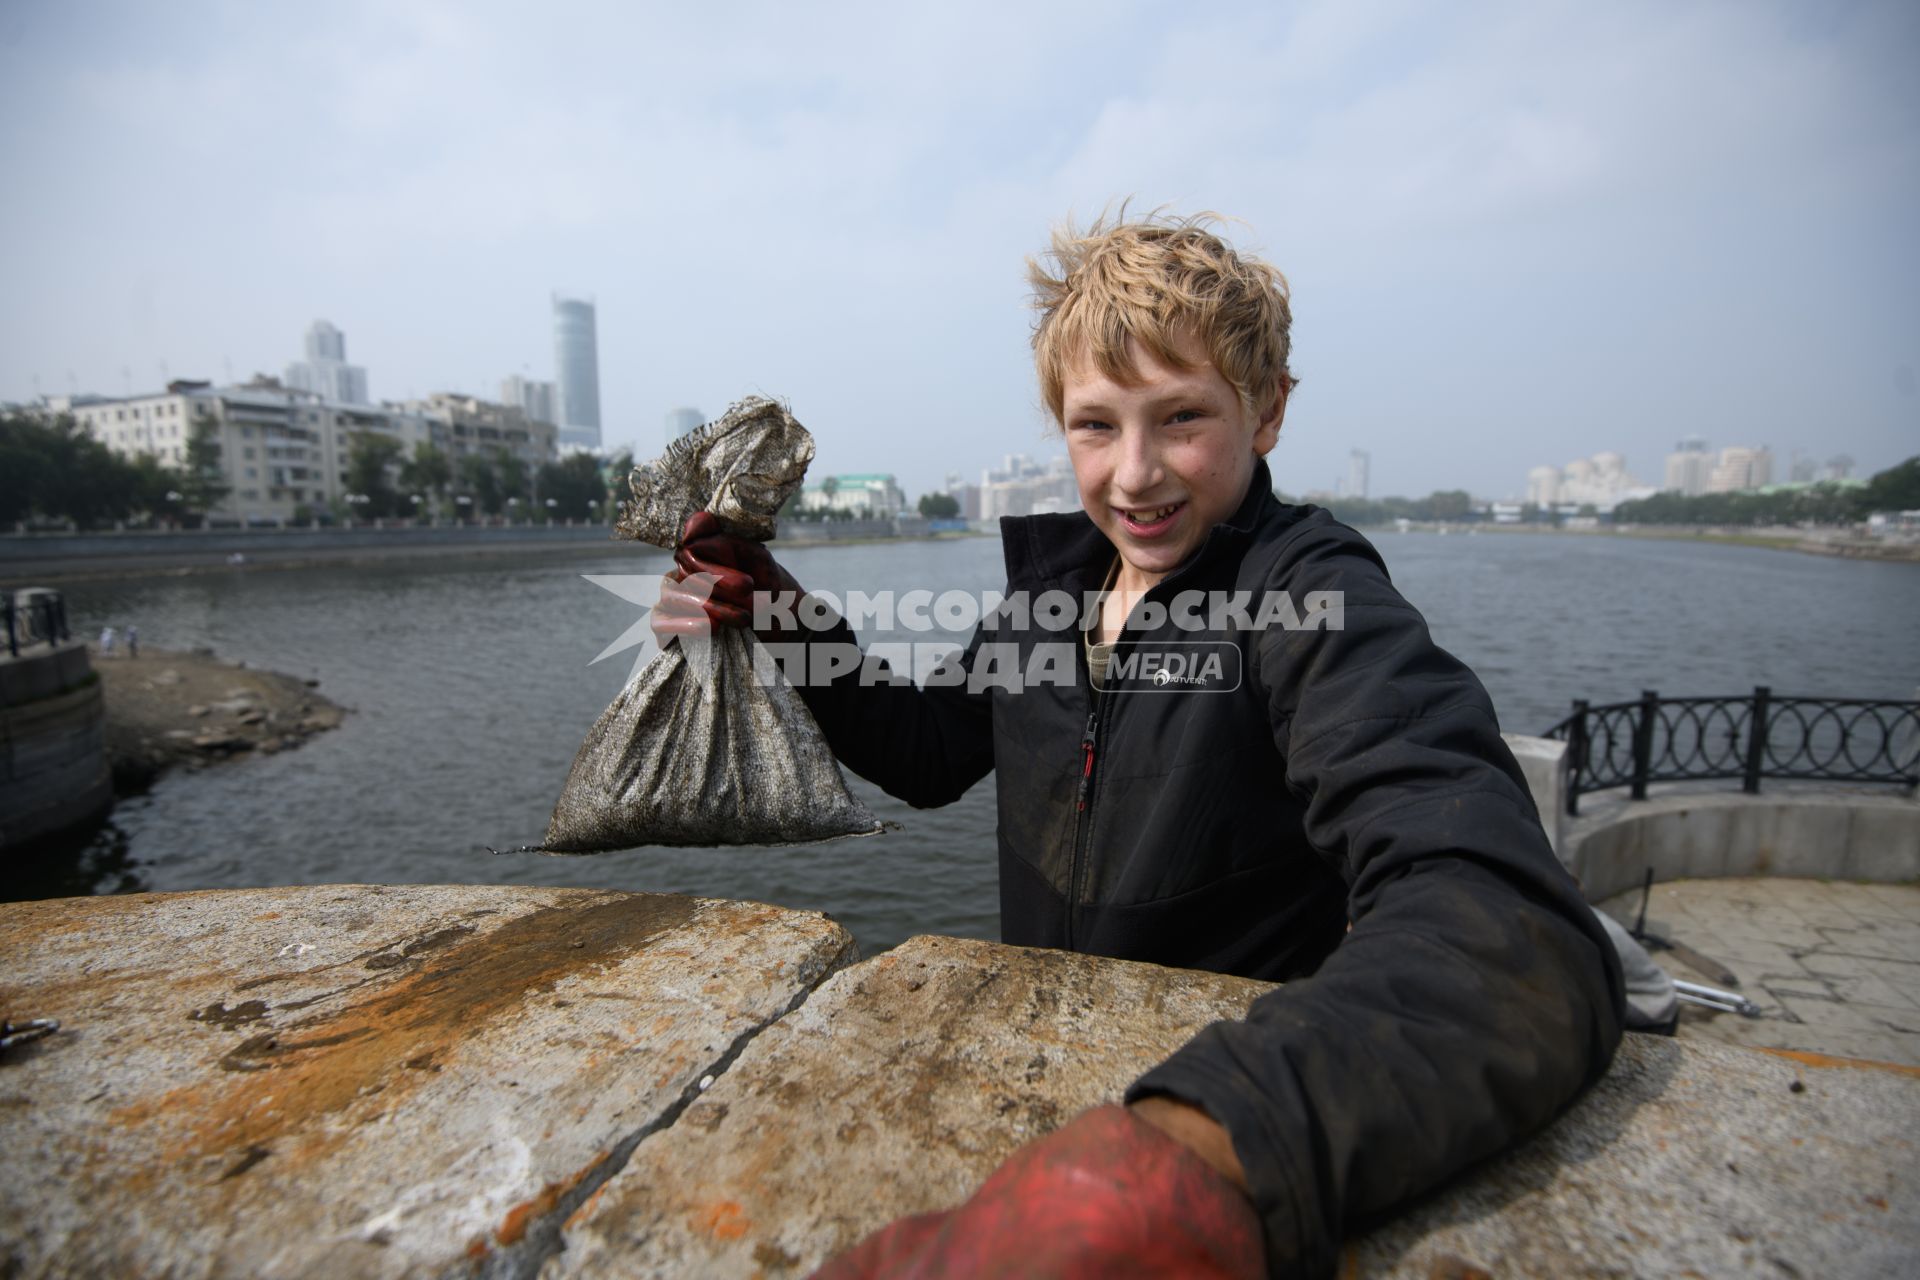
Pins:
<point x="1760" y="735"/>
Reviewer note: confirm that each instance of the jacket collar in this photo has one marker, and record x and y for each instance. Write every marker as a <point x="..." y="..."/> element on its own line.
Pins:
<point x="1068" y="552"/>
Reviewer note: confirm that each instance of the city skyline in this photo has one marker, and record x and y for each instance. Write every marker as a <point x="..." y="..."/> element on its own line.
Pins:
<point x="1514" y="234"/>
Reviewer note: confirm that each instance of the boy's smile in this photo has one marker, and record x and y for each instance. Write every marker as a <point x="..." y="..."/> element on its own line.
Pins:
<point x="1162" y="458"/>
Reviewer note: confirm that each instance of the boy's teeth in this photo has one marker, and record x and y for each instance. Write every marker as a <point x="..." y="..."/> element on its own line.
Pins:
<point x="1149" y="517"/>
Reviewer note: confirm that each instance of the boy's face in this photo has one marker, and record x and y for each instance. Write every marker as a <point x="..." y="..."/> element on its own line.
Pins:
<point x="1162" y="460"/>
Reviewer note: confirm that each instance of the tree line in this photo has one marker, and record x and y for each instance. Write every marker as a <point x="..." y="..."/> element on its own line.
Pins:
<point x="384" y="480"/>
<point x="52" y="470"/>
<point x="1895" y="489"/>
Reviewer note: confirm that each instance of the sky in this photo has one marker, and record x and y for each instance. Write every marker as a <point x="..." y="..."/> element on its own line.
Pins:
<point x="1516" y="234"/>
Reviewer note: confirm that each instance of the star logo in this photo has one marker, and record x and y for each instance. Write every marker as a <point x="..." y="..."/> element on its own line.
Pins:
<point x="642" y="589"/>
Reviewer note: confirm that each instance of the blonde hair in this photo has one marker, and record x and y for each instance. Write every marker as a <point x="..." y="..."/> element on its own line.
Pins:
<point x="1149" y="280"/>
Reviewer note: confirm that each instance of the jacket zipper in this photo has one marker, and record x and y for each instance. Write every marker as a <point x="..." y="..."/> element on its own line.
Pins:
<point x="1083" y="819"/>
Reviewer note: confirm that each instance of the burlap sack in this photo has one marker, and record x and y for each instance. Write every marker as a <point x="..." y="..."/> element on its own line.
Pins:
<point x="697" y="749"/>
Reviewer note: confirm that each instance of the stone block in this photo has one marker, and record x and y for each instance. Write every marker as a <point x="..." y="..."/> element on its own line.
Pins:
<point x="1886" y="842"/>
<point x="1543" y="762"/>
<point x="1610" y="860"/>
<point x="1810" y="840"/>
<point x="355" y="1080"/>
<point x="895" y="1089"/>
<point x="904" y="1081"/>
<point x="1687" y="1159"/>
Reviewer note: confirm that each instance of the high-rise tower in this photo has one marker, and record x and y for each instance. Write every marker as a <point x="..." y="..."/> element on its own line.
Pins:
<point x="576" y="363"/>
<point x="325" y="371"/>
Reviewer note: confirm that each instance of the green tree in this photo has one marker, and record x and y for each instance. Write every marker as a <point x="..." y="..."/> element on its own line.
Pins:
<point x="939" y="506"/>
<point x="481" y="482"/>
<point x="52" y="469"/>
<point x="1451" y="504"/>
<point x="512" y="472"/>
<point x="572" y="485"/>
<point x="204" y="479"/>
<point x="1895" y="489"/>
<point x="369" y="454"/>
<point x="428" y="472"/>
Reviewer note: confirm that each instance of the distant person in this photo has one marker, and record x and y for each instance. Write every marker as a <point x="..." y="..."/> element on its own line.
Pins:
<point x="133" y="642"/>
<point x="1355" y="774"/>
<point x="106" y="642"/>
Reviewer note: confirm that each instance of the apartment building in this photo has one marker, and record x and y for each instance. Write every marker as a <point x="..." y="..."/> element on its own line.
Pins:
<point x="283" y="451"/>
<point x="468" y="424"/>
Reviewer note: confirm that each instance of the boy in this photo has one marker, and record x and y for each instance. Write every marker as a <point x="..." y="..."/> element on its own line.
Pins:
<point x="1329" y="805"/>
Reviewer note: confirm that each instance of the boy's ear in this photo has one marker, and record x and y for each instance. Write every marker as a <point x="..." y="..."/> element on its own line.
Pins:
<point x="1267" y="433"/>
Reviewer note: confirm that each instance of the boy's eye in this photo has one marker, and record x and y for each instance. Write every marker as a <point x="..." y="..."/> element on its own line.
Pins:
<point x="1186" y="415"/>
<point x="1091" y="424"/>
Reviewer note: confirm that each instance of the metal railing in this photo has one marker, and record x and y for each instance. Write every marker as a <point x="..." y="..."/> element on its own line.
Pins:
<point x="1750" y="737"/>
<point x="34" y="616"/>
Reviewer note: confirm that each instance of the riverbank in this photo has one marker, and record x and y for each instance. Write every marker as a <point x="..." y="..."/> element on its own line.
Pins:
<point x="168" y="710"/>
<point x="56" y="559"/>
<point x="1819" y="542"/>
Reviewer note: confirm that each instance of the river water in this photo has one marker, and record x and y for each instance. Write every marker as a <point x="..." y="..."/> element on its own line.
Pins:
<point x="471" y="687"/>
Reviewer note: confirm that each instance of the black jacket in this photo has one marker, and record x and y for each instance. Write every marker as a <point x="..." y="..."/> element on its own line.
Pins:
<point x="1313" y="777"/>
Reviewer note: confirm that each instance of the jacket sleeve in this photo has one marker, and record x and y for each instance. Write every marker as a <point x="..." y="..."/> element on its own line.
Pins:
<point x="925" y="746"/>
<point x="1475" y="996"/>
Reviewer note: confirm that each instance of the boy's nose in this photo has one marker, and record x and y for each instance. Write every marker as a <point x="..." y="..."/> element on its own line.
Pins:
<point x="1138" y="472"/>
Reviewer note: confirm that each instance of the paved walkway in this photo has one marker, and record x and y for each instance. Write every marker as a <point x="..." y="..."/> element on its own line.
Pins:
<point x="1833" y="965"/>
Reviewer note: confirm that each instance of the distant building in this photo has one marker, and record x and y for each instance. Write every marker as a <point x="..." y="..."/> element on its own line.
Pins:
<point x="1601" y="482"/>
<point x="868" y="494"/>
<point x="325" y="372"/>
<point x="1839" y="467"/>
<point x="468" y="424"/>
<point x="1359" y="462"/>
<point x="1023" y="487"/>
<point x="283" y="450"/>
<point x="576" y="361"/>
<point x="1543" y="486"/>
<point x="967" y="495"/>
<point x="1689" y="467"/>
<point x="681" y="421"/>
<point x="1741" y="468"/>
<point x="532" y="397"/>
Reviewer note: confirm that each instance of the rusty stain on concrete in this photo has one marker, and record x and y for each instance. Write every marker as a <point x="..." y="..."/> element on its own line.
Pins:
<point x="1827" y="1061"/>
<point x="513" y="1228"/>
<point x="356" y="1053"/>
<point x="234" y="1090"/>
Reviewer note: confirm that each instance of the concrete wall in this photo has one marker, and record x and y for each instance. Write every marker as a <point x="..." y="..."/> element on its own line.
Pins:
<point x="53" y="755"/>
<point x="440" y="1080"/>
<point x="1544" y="762"/>
<point x="30" y="548"/>
<point x="1841" y="836"/>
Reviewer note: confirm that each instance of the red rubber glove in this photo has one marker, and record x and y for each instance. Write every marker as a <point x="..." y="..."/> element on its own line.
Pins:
<point x="1106" y="1195"/>
<point x="714" y="581"/>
